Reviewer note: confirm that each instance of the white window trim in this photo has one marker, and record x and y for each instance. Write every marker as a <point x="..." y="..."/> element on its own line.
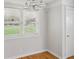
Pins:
<point x="22" y="34"/>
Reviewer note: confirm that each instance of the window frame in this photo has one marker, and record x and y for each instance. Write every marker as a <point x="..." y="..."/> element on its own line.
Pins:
<point x="22" y="33"/>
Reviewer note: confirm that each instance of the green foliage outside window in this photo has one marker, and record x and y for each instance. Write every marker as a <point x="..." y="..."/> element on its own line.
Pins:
<point x="30" y="28"/>
<point x="11" y="30"/>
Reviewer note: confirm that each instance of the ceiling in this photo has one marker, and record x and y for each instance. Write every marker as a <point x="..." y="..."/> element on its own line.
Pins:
<point x="22" y="2"/>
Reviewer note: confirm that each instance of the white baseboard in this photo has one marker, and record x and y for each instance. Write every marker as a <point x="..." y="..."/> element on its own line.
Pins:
<point x="54" y="54"/>
<point x="14" y="57"/>
<point x="31" y="53"/>
<point x="34" y="53"/>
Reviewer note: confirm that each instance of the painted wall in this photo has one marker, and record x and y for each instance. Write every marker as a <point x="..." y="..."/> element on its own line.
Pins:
<point x="55" y="29"/>
<point x="69" y="3"/>
<point x="17" y="46"/>
<point x="48" y="38"/>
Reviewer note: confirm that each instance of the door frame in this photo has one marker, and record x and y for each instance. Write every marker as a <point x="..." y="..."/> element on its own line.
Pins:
<point x="64" y="56"/>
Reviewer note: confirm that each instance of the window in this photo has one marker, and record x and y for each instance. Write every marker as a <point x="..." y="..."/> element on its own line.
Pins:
<point x="30" y="22"/>
<point x="12" y="21"/>
<point x="19" y="22"/>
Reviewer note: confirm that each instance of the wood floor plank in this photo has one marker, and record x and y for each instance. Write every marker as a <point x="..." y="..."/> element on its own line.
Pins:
<point x="72" y="57"/>
<point x="49" y="55"/>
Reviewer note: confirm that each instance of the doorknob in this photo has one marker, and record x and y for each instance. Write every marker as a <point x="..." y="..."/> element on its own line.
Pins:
<point x="68" y="35"/>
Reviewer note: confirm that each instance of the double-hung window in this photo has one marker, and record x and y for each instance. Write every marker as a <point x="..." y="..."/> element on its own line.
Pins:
<point x="18" y="21"/>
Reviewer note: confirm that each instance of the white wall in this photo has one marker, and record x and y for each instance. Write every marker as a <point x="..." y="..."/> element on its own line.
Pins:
<point x="51" y="17"/>
<point x="24" y="45"/>
<point x="55" y="29"/>
<point x="68" y="3"/>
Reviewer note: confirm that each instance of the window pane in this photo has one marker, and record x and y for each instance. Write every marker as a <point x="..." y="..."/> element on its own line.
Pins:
<point x="12" y="21"/>
<point x="30" y="25"/>
<point x="11" y="30"/>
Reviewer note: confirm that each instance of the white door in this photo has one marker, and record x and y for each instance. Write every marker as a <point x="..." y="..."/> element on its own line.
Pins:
<point x="69" y="31"/>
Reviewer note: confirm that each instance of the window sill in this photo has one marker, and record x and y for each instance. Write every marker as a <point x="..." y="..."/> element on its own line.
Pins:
<point x="21" y="36"/>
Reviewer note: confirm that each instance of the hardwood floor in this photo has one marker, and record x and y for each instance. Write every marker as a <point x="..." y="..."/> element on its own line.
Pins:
<point x="72" y="57"/>
<point x="44" y="55"/>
